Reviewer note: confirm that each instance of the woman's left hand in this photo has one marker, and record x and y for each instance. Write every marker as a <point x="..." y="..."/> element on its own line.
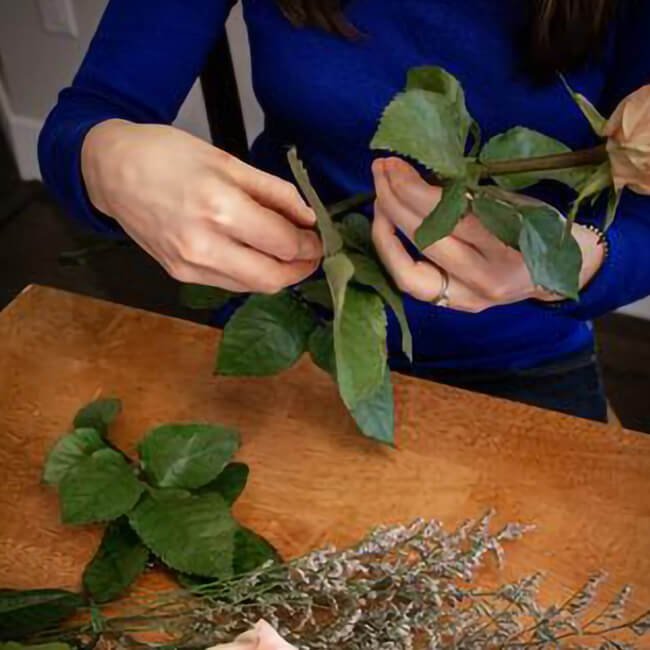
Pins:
<point x="483" y="272"/>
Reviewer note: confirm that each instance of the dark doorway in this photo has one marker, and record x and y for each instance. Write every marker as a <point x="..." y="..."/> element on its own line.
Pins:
<point x="8" y="170"/>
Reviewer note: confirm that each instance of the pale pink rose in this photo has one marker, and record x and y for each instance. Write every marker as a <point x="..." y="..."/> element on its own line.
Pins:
<point x="628" y="144"/>
<point x="261" y="637"/>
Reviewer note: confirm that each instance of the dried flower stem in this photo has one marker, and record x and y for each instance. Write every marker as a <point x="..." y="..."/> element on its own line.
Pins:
<point x="401" y="588"/>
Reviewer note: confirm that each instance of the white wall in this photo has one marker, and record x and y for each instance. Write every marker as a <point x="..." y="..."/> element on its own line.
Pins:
<point x="36" y="64"/>
<point x="639" y="309"/>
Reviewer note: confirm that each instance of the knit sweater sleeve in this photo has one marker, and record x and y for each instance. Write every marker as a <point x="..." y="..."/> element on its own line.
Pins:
<point x="140" y="66"/>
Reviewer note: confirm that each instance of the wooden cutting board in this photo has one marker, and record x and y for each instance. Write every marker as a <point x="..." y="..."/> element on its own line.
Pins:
<point x="313" y="478"/>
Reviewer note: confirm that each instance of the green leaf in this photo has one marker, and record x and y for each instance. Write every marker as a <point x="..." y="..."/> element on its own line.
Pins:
<point x="120" y="559"/>
<point x="187" y="456"/>
<point x="437" y="80"/>
<point x="360" y="346"/>
<point x="230" y="483"/>
<point x="500" y="218"/>
<point x="321" y="348"/>
<point x="338" y="271"/>
<point x="473" y="177"/>
<point x="191" y="582"/>
<point x="521" y="142"/>
<point x="357" y="233"/>
<point x="417" y="124"/>
<point x="332" y="241"/>
<point x="359" y="332"/>
<point x="375" y="415"/>
<point x="251" y="551"/>
<point x="553" y="260"/>
<point x="100" y="487"/>
<point x="98" y="415"/>
<point x="267" y="335"/>
<point x="593" y="115"/>
<point x="198" y="296"/>
<point x="68" y="451"/>
<point x="599" y="180"/>
<point x="369" y="273"/>
<point x="318" y="293"/>
<point x="612" y="207"/>
<point x="193" y="534"/>
<point x="445" y="216"/>
<point x="23" y="613"/>
<point x="477" y="137"/>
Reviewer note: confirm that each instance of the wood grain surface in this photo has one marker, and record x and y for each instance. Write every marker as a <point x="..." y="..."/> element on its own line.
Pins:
<point x="313" y="478"/>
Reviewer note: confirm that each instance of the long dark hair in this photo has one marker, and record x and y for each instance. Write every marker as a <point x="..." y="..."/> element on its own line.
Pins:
<point x="563" y="34"/>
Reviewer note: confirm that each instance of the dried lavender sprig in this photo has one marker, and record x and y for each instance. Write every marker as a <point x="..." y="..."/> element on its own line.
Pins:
<point x="451" y="562"/>
<point x="401" y="588"/>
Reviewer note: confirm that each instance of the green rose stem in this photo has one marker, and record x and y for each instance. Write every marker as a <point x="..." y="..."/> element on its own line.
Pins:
<point x="583" y="158"/>
<point x="569" y="160"/>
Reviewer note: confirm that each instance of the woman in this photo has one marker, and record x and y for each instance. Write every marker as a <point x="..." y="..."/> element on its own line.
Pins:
<point x="323" y="71"/>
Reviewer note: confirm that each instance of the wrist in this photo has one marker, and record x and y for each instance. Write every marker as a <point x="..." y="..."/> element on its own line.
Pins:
<point x="594" y="248"/>
<point x="102" y="148"/>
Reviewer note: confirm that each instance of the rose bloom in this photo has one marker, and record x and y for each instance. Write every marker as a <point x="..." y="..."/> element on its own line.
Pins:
<point x="628" y="144"/>
<point x="261" y="637"/>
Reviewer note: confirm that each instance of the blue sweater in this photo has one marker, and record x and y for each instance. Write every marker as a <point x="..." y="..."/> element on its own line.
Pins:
<point x="325" y="95"/>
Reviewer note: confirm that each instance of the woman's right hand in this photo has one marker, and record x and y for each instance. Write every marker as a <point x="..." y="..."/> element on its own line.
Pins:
<point x="206" y="216"/>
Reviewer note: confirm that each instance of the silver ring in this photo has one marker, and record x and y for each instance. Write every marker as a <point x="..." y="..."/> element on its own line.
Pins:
<point x="442" y="299"/>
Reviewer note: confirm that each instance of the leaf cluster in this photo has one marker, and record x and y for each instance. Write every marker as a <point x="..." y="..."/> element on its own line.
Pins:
<point x="339" y="319"/>
<point x="172" y="505"/>
<point x="429" y="123"/>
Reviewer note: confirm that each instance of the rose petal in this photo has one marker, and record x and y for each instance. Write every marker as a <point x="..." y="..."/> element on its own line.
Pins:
<point x="613" y="126"/>
<point x="247" y="641"/>
<point x="628" y="145"/>
<point x="633" y="110"/>
<point x="269" y="639"/>
<point x="631" y="113"/>
<point x="261" y="637"/>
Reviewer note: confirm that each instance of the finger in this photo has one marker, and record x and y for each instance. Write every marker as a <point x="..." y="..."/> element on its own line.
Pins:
<point x="270" y="190"/>
<point x="471" y="231"/>
<point x="421" y="283"/>
<point x="403" y="179"/>
<point x="410" y="188"/>
<point x="267" y="231"/>
<point x="184" y="269"/>
<point x="204" y="275"/>
<point x="210" y="278"/>
<point x="398" y="212"/>
<point x="421" y="279"/>
<point x="455" y="256"/>
<point x="256" y="270"/>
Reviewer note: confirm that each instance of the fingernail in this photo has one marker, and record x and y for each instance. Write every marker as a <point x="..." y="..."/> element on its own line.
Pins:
<point x="378" y="166"/>
<point x="310" y="215"/>
<point x="392" y="165"/>
<point x="310" y="247"/>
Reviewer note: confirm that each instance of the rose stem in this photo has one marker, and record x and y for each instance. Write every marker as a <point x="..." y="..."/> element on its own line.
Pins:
<point x="569" y="160"/>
